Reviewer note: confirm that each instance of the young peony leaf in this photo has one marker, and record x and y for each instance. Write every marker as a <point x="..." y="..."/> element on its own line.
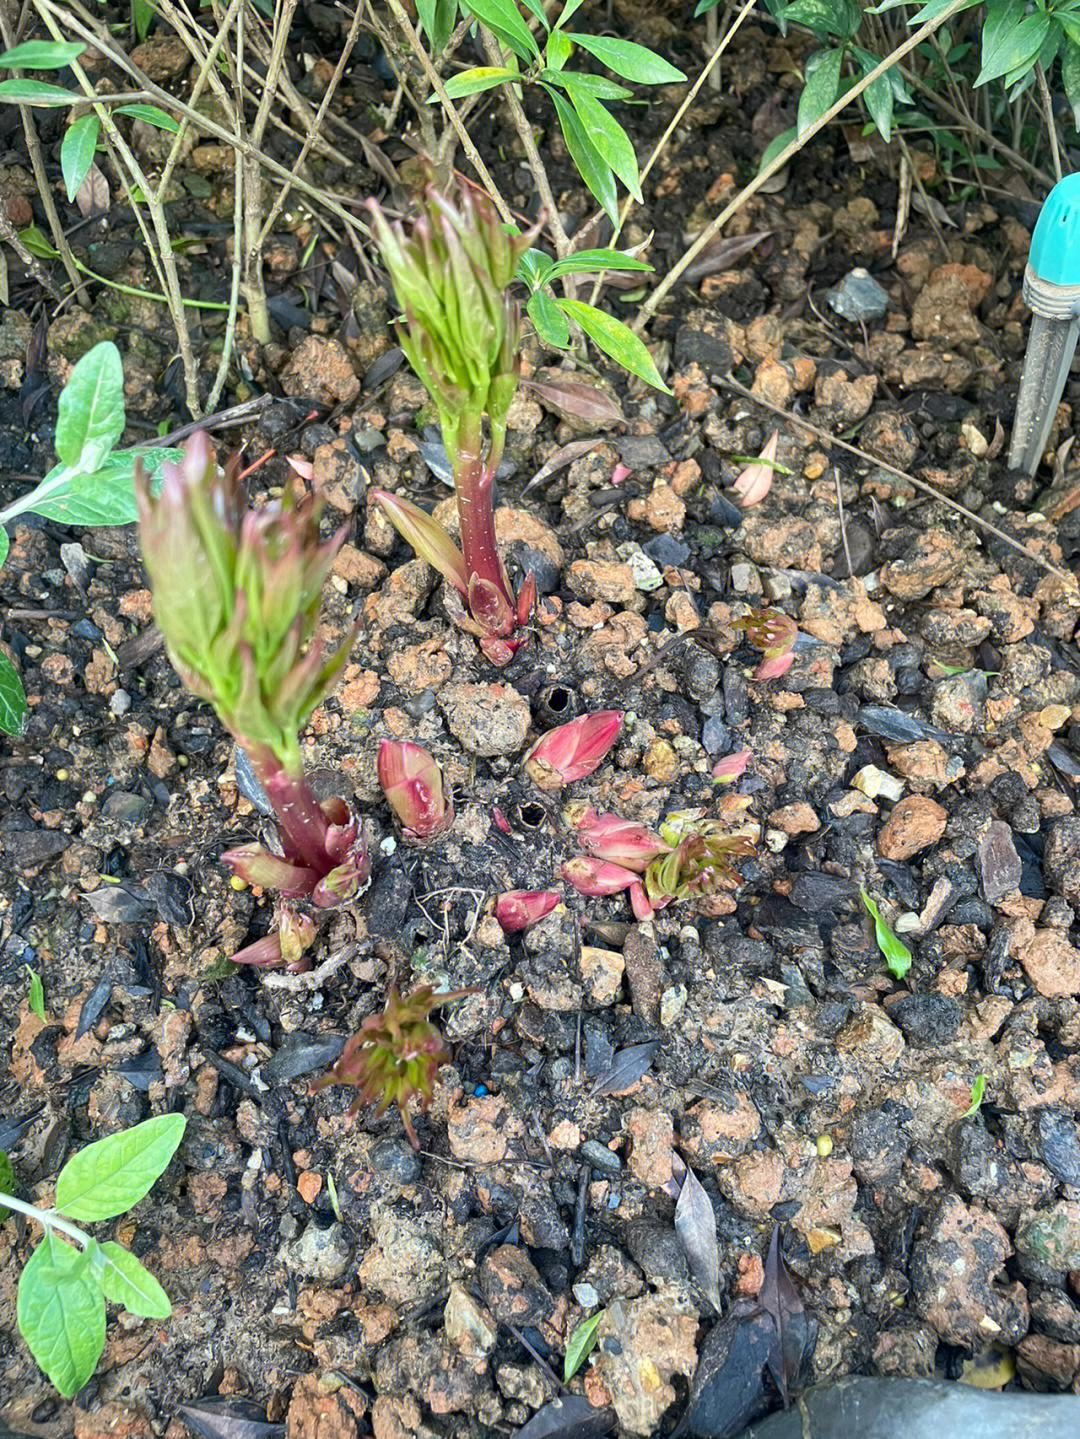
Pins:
<point x="616" y="340"/>
<point x="897" y="955"/>
<point x="108" y="1177"/>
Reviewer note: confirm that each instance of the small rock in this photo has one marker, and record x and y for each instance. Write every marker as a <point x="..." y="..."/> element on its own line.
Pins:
<point x="301" y="1053"/>
<point x="320" y="368"/>
<point x="469" y="1327"/>
<point x="652" y="1136"/>
<point x="927" y="1018"/>
<point x="1049" y="960"/>
<point x="914" y="824"/>
<point x="608" y="580"/>
<point x="933" y="559"/>
<point x="512" y="1288"/>
<point x="1052" y="1236"/>
<point x="999" y="864"/>
<point x="944" y="310"/>
<point x="858" y="297"/>
<point x="488" y="719"/>
<point x="1059" y="1144"/>
<point x="319" y="1255"/>
<point x="643" y="1343"/>
<point x="481" y="1129"/>
<point x="954" y="1278"/>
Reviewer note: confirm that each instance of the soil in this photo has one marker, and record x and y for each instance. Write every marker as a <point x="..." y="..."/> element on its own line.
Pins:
<point x="327" y="1280"/>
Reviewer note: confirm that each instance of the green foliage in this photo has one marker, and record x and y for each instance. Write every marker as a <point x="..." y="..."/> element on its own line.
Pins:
<point x="550" y="313"/>
<point x="598" y="144"/>
<point x="978" y="1089"/>
<point x="7" y="1182"/>
<point x="77" y="152"/>
<point x="580" y="1345"/>
<point x="92" y="485"/>
<point x="897" y="955"/>
<point x="37" y="997"/>
<point x="63" y="1289"/>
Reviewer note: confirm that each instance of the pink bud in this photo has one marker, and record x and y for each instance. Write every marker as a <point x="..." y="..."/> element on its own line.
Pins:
<point x="620" y="840"/>
<point x="731" y="766"/>
<point x="519" y="908"/>
<point x="573" y="750"/>
<point x="755" y="482"/>
<point x="640" y="903"/>
<point x="501" y="822"/>
<point x="413" y="785"/>
<point x="772" y="669"/>
<point x="598" y="876"/>
<point x="526" y="600"/>
<point x="619" y="473"/>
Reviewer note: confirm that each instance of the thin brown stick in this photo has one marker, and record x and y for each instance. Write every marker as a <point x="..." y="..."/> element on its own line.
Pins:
<point x="32" y="263"/>
<point x="1064" y="576"/>
<point x="779" y="161"/>
<point x="1048" y="114"/>
<point x="450" y="110"/>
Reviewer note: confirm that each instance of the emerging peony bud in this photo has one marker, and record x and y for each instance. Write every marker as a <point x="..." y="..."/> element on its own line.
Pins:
<point x="395" y="1056"/>
<point x="607" y="836"/>
<point x="598" y="876"/>
<point x="413" y="785"/>
<point x="774" y="668"/>
<point x="519" y="908"/>
<point x="755" y="482"/>
<point x="731" y="767"/>
<point x="774" y="634"/>
<point x="573" y="750"/>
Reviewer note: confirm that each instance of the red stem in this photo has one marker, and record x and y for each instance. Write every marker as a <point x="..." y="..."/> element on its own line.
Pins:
<point x="476" y="517"/>
<point x="300" y="816"/>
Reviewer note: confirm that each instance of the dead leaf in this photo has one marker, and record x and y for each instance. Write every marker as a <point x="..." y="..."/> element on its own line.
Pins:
<point x="570" y="1417"/>
<point x="565" y="455"/>
<point x="780" y="1300"/>
<point x="574" y="399"/>
<point x="695" y="1224"/>
<point x="721" y="253"/>
<point x="213" y="1418"/>
<point x="626" y="1068"/>
<point x="92" y="196"/>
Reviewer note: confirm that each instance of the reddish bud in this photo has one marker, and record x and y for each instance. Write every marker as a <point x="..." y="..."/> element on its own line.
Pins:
<point x="598" y="876"/>
<point x="573" y="750"/>
<point x="772" y="669"/>
<point x="755" y="482"/>
<point x="427" y="537"/>
<point x="526" y="600"/>
<point x="501" y="822"/>
<point x="729" y="768"/>
<point x="607" y="836"/>
<point x="640" y="903"/>
<point x="413" y="785"/>
<point x="520" y="908"/>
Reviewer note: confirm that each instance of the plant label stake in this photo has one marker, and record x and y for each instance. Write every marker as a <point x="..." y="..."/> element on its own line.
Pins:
<point x="1052" y="293"/>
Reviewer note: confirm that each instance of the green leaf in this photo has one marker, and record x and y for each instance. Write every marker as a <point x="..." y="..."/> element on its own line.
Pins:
<point x="36" y="92"/>
<point x="616" y="340"/>
<point x="71" y="496"/>
<point x="822" y="84"/>
<point x="897" y="955"/>
<point x="610" y="139"/>
<point x="7" y="1182"/>
<point x="91" y="411"/>
<point x="591" y="262"/>
<point x="151" y="114"/>
<point x="533" y="268"/>
<point x="550" y="322"/>
<point x="1010" y="40"/>
<point x="574" y="81"/>
<point x="878" y="95"/>
<point x="557" y="50"/>
<point x="437" y="18"/>
<point x="143" y="15"/>
<point x="569" y="10"/>
<point x="774" y="147"/>
<point x="704" y="6"/>
<point x="37" y="244"/>
<point x="538" y="10"/>
<point x="1070" y="77"/>
<point x="41" y="55"/>
<point x="825" y="17"/>
<point x="597" y="175"/>
<point x="580" y="1345"/>
<point x="928" y="12"/>
<point x="126" y="1281"/>
<point x="4" y="544"/>
<point x="632" y="62"/>
<point x="480" y="77"/>
<point x="12" y="698"/>
<point x="503" y="18"/>
<point x="978" y="1089"/>
<point x="37" y="995"/>
<point x="77" y="152"/>
<point x="61" y="1314"/>
<point x="108" y="1177"/>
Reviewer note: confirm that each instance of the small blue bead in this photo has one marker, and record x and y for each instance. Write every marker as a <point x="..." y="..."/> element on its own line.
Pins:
<point x="480" y="1090"/>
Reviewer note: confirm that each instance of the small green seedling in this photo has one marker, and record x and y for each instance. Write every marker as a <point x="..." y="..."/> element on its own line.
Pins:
<point x="897" y="955"/>
<point x="37" y="995"/>
<point x="92" y="485"/>
<point x="978" y="1089"/>
<point x="63" y="1289"/>
<point x="580" y="1345"/>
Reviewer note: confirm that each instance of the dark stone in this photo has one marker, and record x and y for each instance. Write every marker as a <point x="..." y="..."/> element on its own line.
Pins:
<point x="927" y="1018"/>
<point x="396" y="1161"/>
<point x="600" y="1157"/>
<point x="642" y="452"/>
<point x="878" y="1147"/>
<point x="917" y="1409"/>
<point x="715" y="736"/>
<point x="301" y="1053"/>
<point x="174" y="897"/>
<point x="1000" y="867"/>
<point x="656" y="1249"/>
<point x="1059" y="1145"/>
<point x="667" y="550"/>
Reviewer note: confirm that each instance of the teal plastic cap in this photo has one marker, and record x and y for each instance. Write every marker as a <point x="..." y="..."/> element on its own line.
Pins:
<point x="1055" y="246"/>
